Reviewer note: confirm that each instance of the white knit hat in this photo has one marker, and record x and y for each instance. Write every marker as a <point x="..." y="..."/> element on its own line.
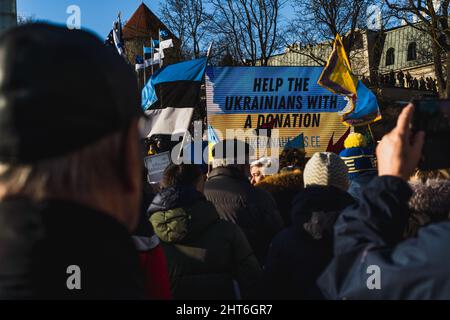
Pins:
<point x="326" y="169"/>
<point x="268" y="165"/>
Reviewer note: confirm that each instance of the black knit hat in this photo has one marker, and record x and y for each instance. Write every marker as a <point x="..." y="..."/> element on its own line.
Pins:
<point x="60" y="90"/>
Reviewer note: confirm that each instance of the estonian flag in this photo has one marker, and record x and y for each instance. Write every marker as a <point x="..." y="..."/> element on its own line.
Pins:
<point x="148" y="50"/>
<point x="115" y="37"/>
<point x="170" y="96"/>
<point x="176" y="85"/>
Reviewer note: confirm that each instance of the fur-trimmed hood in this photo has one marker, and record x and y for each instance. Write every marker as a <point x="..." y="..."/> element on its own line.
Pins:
<point x="431" y="198"/>
<point x="283" y="182"/>
<point x="429" y="203"/>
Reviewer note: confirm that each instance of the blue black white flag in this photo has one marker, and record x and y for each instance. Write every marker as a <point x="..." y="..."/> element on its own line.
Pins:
<point x="176" y="85"/>
<point x="170" y="96"/>
<point x="115" y="37"/>
<point x="148" y="50"/>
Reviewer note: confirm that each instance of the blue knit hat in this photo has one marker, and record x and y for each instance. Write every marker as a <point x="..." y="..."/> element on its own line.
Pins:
<point x="358" y="158"/>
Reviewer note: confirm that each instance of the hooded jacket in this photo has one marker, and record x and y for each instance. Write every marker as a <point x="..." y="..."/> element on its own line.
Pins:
<point x="206" y="256"/>
<point x="283" y="187"/>
<point x="299" y="254"/>
<point x="370" y="259"/>
<point x="45" y="247"/>
<point x="253" y="209"/>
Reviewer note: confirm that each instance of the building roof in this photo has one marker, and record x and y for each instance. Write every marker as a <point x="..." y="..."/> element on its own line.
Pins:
<point x="144" y="24"/>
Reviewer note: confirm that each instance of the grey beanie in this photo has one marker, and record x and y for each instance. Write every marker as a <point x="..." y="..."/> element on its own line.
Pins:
<point x="326" y="169"/>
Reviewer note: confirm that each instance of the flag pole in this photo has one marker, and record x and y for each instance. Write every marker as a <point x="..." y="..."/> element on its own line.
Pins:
<point x="160" y="51"/>
<point x="151" y="53"/>
<point x="184" y="138"/>
<point x="371" y="134"/>
<point x="145" y="71"/>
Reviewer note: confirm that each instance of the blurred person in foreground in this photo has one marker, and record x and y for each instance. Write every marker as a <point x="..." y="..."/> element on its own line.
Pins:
<point x="236" y="200"/>
<point x="208" y="258"/>
<point x="300" y="253"/>
<point x="370" y="259"/>
<point x="70" y="167"/>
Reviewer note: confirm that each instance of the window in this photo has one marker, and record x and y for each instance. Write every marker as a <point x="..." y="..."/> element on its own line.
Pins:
<point x="412" y="52"/>
<point x="390" y="57"/>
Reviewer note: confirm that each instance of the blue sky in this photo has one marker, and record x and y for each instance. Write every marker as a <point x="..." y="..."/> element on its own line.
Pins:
<point x="96" y="15"/>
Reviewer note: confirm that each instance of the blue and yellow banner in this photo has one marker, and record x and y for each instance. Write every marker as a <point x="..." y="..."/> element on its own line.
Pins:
<point x="284" y="98"/>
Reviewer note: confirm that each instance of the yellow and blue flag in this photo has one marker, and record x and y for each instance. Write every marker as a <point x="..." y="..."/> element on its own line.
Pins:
<point x="337" y="75"/>
<point x="366" y="109"/>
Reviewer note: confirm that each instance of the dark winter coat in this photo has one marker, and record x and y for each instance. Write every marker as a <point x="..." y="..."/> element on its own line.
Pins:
<point x="253" y="209"/>
<point x="370" y="260"/>
<point x="359" y="182"/>
<point x="38" y="244"/>
<point x="300" y="253"/>
<point x="206" y="256"/>
<point x="283" y="187"/>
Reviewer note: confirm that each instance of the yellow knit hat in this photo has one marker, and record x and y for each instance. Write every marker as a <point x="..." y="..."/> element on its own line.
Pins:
<point x="355" y="140"/>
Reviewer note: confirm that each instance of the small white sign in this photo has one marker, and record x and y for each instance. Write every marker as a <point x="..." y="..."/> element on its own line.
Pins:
<point x="156" y="165"/>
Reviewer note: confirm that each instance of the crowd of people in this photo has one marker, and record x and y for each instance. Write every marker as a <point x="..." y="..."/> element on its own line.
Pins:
<point x="73" y="196"/>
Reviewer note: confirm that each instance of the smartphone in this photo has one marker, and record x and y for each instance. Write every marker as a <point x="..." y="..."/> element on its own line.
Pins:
<point x="433" y="117"/>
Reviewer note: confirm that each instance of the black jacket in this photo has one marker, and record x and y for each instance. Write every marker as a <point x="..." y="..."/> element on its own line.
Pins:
<point x="38" y="243"/>
<point x="283" y="187"/>
<point x="253" y="209"/>
<point x="368" y="239"/>
<point x="205" y="254"/>
<point x="299" y="254"/>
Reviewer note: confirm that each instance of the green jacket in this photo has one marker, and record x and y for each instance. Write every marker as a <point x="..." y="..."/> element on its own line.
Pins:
<point x="206" y="256"/>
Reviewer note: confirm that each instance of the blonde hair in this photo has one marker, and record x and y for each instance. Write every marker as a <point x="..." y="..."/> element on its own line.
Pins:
<point x="77" y="175"/>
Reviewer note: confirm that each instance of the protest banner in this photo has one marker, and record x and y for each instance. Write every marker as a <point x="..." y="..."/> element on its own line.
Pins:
<point x="156" y="165"/>
<point x="284" y="98"/>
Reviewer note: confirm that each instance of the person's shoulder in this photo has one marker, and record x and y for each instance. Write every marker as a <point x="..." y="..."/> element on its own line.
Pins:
<point x="434" y="240"/>
<point x="260" y="192"/>
<point x="226" y="226"/>
<point x="436" y="231"/>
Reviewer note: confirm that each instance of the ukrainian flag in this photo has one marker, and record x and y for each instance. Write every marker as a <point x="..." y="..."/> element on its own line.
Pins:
<point x="213" y="139"/>
<point x="337" y="75"/>
<point x="366" y="110"/>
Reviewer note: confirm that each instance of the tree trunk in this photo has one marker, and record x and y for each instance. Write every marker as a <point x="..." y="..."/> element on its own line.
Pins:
<point x="438" y="70"/>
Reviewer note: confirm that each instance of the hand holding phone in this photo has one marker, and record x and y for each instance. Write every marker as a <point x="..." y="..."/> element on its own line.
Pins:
<point x="433" y="117"/>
